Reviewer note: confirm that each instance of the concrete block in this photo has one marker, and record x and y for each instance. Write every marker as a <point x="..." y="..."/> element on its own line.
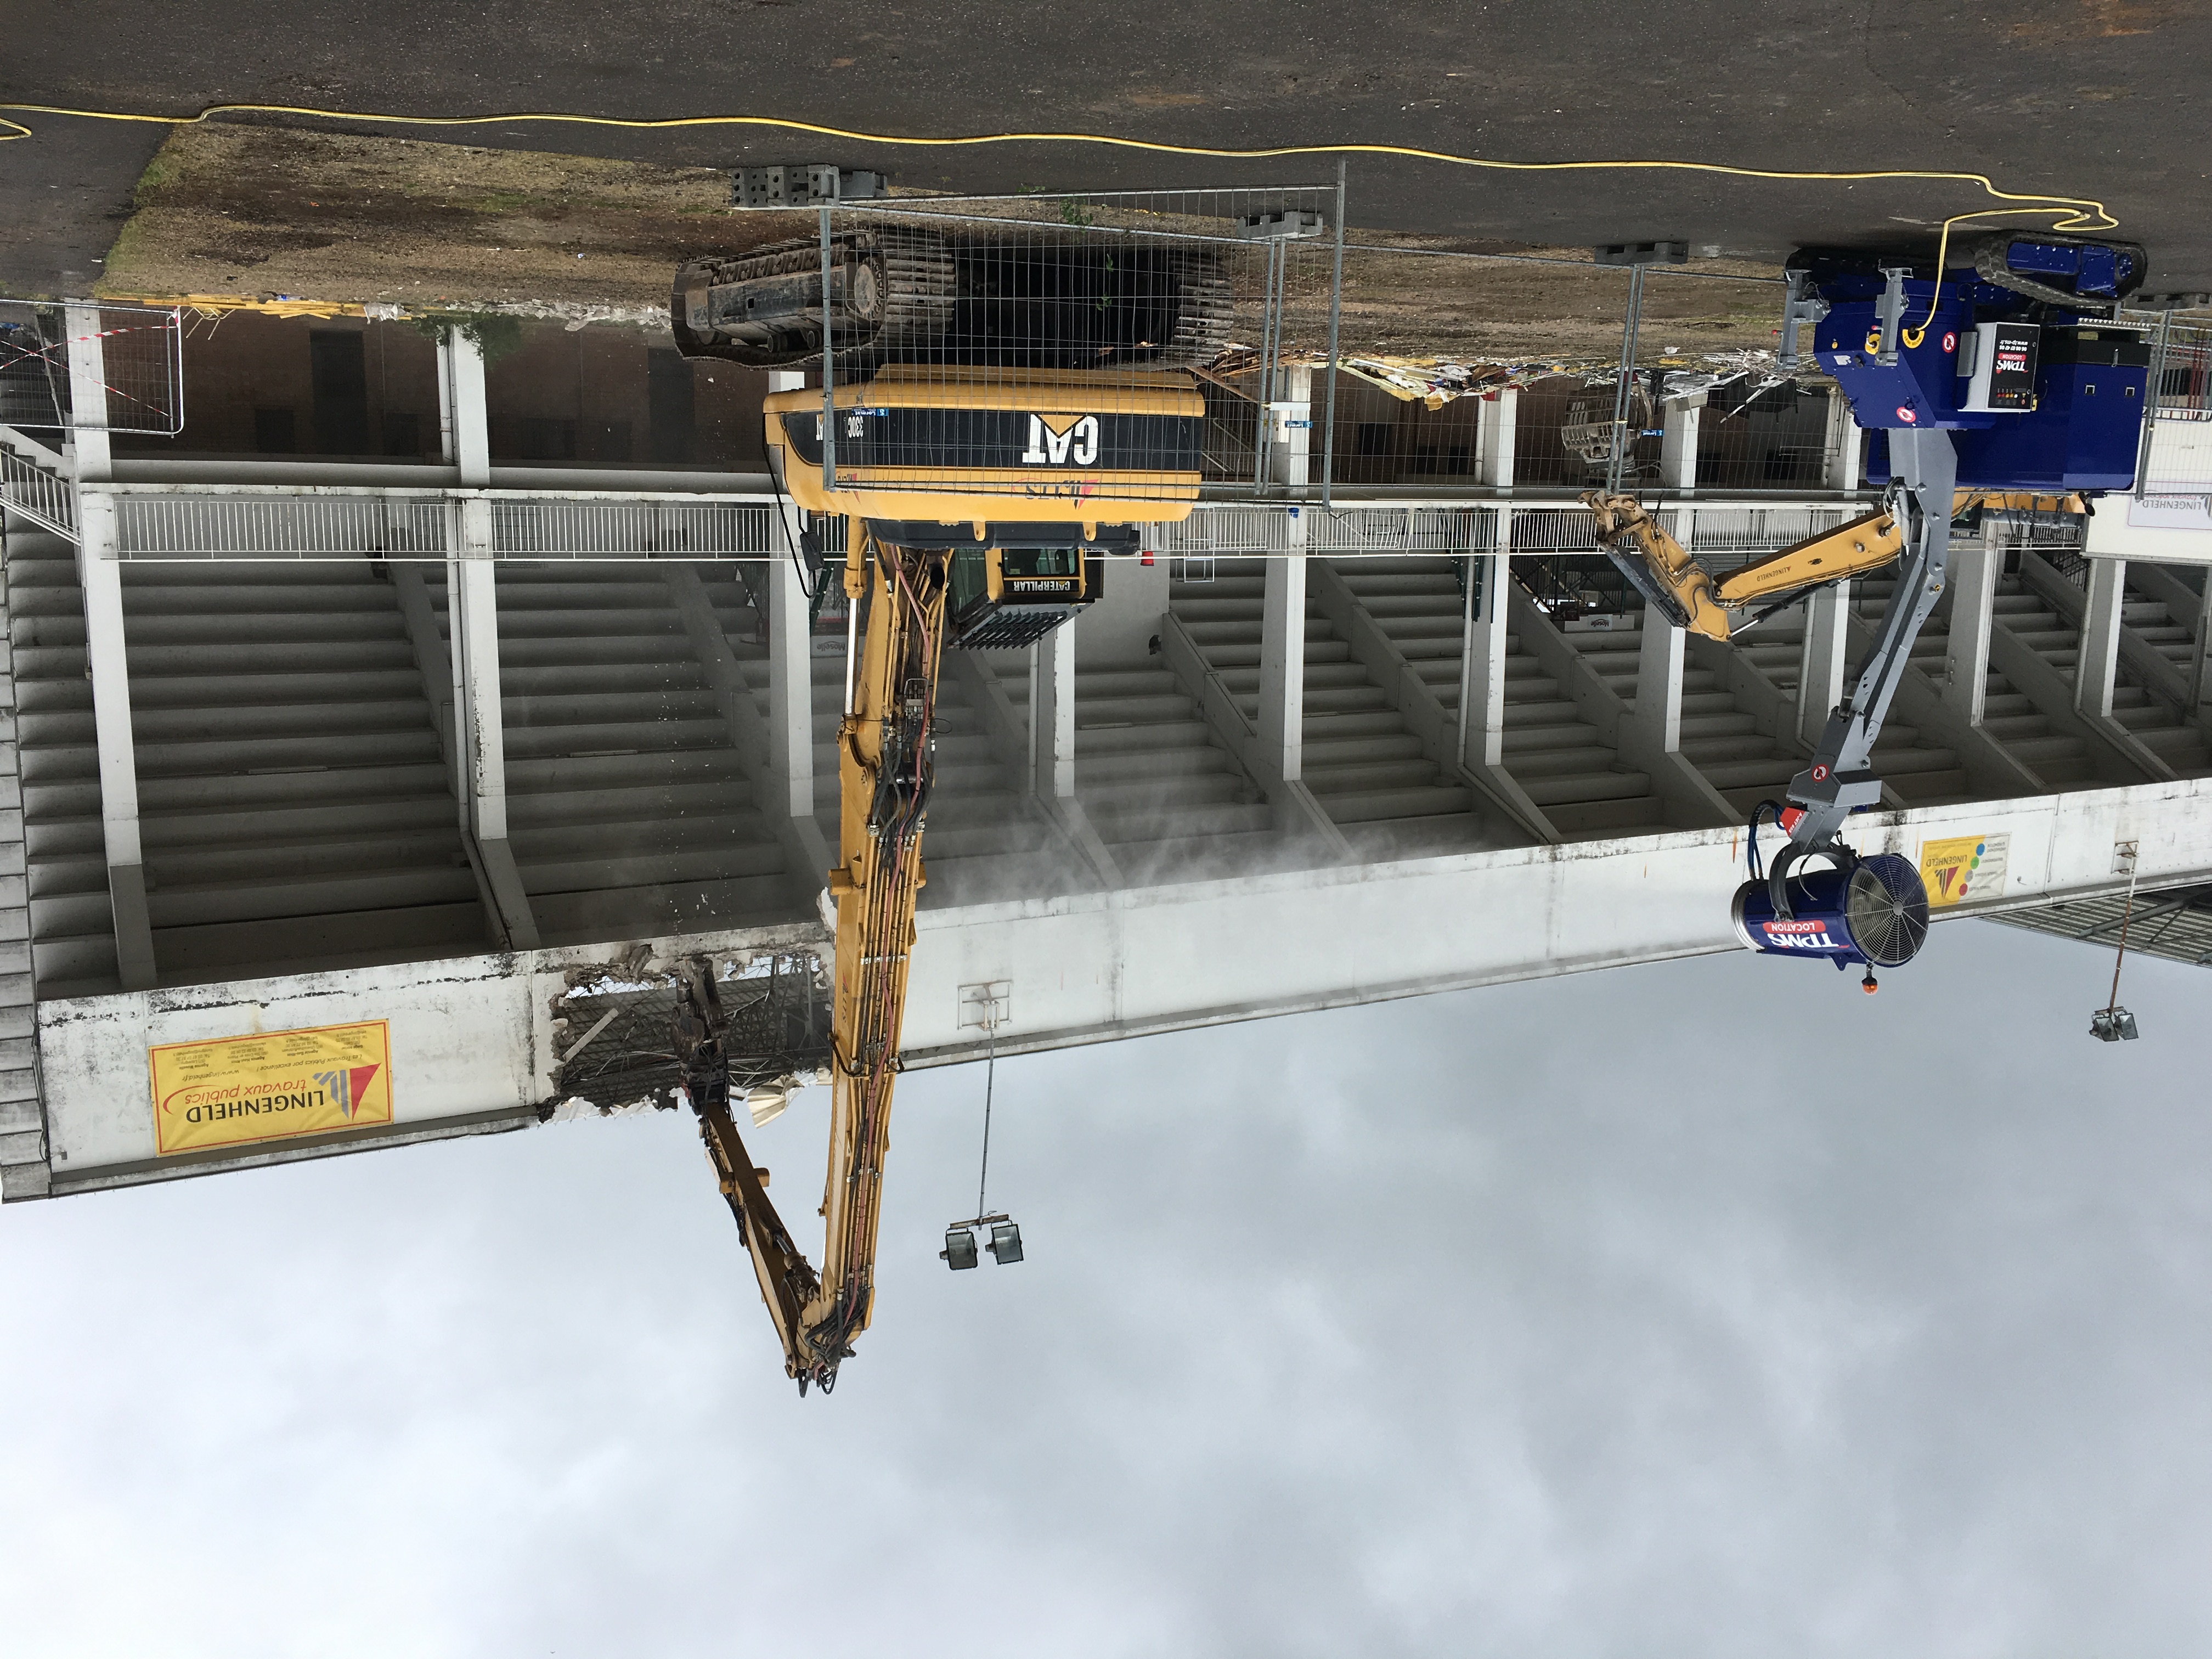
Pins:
<point x="17" y="1115"/>
<point x="23" y="1147"/>
<point x="19" y="1083"/>
<point x="18" y="1022"/>
<point x="25" y="1180"/>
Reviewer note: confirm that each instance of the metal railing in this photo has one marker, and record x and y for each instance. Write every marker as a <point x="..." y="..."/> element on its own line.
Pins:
<point x="166" y="526"/>
<point x="156" y="525"/>
<point x="581" y="529"/>
<point x="40" y="494"/>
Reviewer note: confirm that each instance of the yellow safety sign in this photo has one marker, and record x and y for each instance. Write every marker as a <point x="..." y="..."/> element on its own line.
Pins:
<point x="270" y="1087"/>
<point x="1964" y="866"/>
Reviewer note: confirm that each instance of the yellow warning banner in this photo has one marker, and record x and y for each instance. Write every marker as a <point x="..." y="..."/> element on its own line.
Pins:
<point x="270" y="1087"/>
<point x="1963" y="867"/>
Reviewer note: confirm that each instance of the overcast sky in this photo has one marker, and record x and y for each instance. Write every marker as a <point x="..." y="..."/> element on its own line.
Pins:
<point x="1704" y="1310"/>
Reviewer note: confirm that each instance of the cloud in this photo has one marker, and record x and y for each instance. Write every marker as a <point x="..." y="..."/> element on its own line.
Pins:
<point x="1708" y="1308"/>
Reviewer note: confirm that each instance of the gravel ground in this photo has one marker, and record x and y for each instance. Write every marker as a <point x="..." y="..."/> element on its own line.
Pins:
<point x="261" y="210"/>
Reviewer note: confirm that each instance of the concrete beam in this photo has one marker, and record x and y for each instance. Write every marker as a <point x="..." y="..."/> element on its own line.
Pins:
<point x="1495" y="423"/>
<point x="1663" y="653"/>
<point x="102" y="577"/>
<point x="1290" y="456"/>
<point x="435" y="664"/>
<point x="1973" y="582"/>
<point x="1678" y="446"/>
<point x="1424" y="714"/>
<point x="474" y="1038"/>
<point x="472" y="621"/>
<point x="1822" y="660"/>
<point x="1843" y="443"/>
<point x="1013" y="745"/>
<point x="90" y="458"/>
<point x="2099" y="661"/>
<point x="1296" y="810"/>
<point x="1690" y="801"/>
<point x="1281" y="723"/>
<point x="1051" y="715"/>
<point x="1485" y="646"/>
<point x="466" y="425"/>
<point x="806" y="853"/>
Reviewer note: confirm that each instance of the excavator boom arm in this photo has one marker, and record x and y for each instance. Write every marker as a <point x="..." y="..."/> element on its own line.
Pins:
<point x="1686" y="593"/>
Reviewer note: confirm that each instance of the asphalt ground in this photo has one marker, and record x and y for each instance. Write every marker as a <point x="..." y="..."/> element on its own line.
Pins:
<point x="2095" y="97"/>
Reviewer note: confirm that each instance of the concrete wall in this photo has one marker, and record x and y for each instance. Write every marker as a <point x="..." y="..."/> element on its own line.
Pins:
<point x="472" y="1039"/>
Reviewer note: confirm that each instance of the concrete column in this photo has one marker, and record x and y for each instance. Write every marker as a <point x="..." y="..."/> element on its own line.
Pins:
<point x="790" y="661"/>
<point x="87" y="375"/>
<point x="1972" y="577"/>
<point x="101" y="575"/>
<point x="1678" y="449"/>
<point x="467" y="427"/>
<point x="1843" y="439"/>
<point x="472" y="623"/>
<point x="1494" y="438"/>
<point x="2201" y="666"/>
<point x="1821" y="661"/>
<point x="1659" y="682"/>
<point x="2100" y="657"/>
<point x="1283" y="667"/>
<point x="1290" y="456"/>
<point x="1052" y="714"/>
<point x="1482" y="669"/>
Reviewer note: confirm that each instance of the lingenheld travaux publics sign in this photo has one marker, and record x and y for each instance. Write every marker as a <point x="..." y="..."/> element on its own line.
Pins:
<point x="270" y="1087"/>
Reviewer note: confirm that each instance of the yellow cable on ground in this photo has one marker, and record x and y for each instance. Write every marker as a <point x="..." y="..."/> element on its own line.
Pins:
<point x="2084" y="213"/>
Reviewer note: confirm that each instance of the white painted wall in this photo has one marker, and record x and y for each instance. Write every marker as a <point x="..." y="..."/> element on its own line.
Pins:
<point x="1115" y="630"/>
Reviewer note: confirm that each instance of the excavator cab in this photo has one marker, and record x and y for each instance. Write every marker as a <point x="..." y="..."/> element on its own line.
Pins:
<point x="1004" y="598"/>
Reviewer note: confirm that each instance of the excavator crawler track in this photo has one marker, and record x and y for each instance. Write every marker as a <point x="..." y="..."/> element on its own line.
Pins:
<point x="895" y="286"/>
<point x="908" y="294"/>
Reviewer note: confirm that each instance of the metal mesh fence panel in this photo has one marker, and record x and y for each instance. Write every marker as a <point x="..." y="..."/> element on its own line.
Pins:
<point x="1043" y="349"/>
<point x="141" y="367"/>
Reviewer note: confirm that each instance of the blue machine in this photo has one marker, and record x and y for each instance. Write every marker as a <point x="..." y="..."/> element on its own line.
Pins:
<point x="2038" y="389"/>
<point x="1871" y="911"/>
<point x="2004" y="376"/>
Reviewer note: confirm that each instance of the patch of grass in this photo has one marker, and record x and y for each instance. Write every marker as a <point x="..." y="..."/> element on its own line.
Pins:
<point x="496" y="336"/>
<point x="502" y="201"/>
<point x="164" y="170"/>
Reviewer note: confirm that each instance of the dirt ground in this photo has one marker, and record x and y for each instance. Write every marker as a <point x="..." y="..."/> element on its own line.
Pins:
<point x="257" y="210"/>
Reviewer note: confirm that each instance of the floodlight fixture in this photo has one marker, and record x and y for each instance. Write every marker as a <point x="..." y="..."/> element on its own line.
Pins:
<point x="1006" y="1243"/>
<point x="2113" y="1024"/>
<point x="959" y="1249"/>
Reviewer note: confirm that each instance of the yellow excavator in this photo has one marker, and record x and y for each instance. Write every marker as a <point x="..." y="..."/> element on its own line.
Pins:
<point x="980" y="488"/>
